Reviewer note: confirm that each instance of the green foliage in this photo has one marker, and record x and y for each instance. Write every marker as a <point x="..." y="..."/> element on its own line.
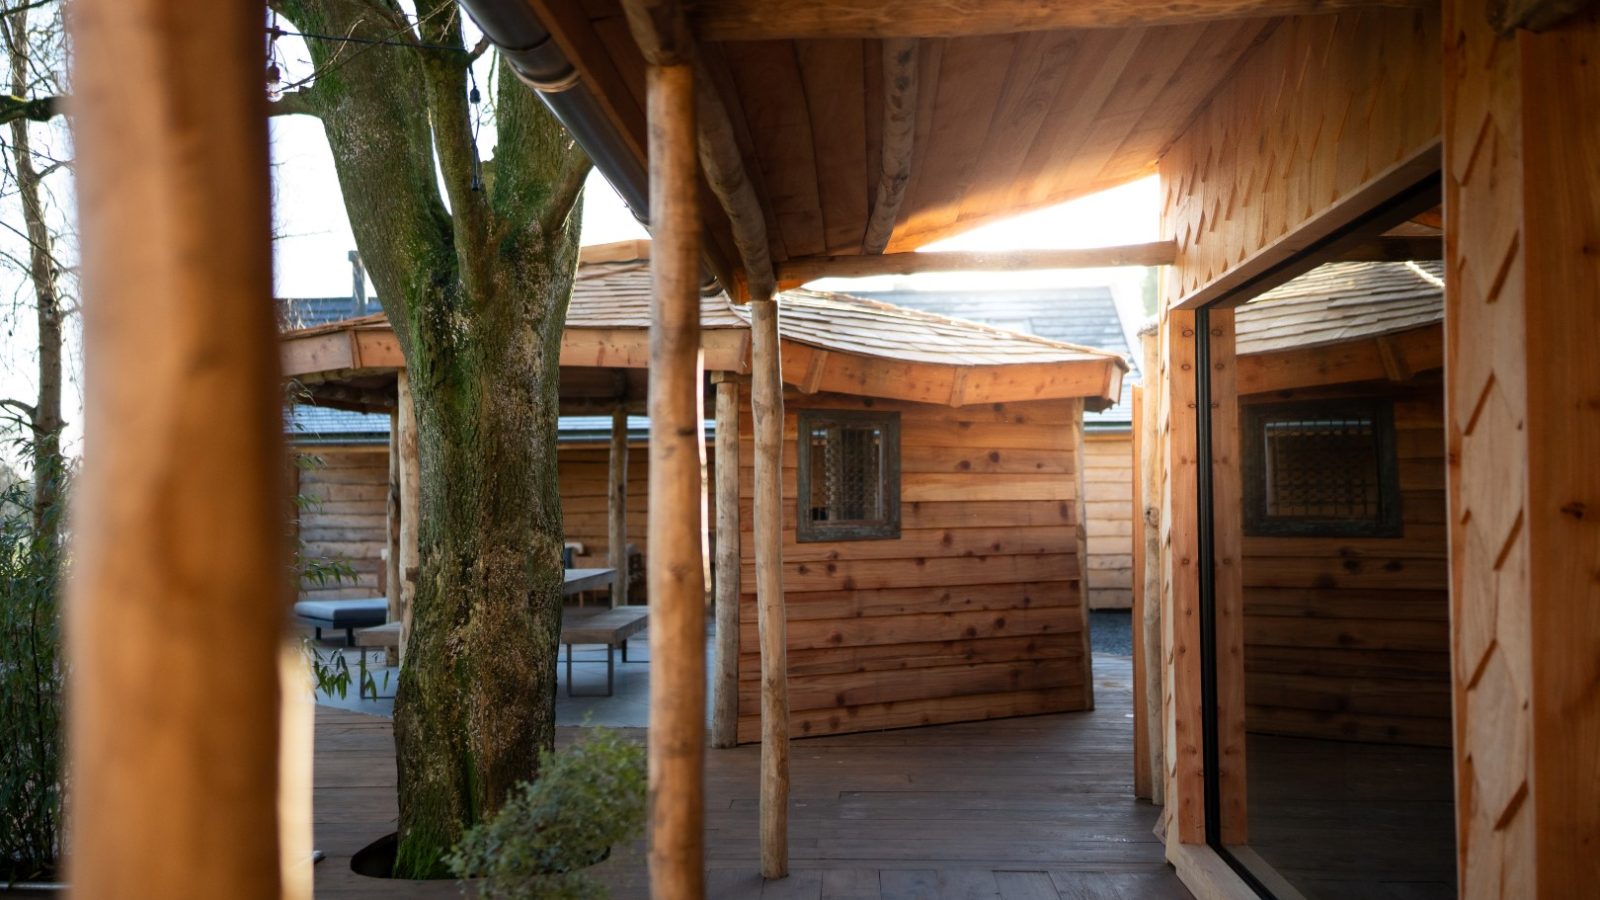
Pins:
<point x="587" y="799"/>
<point x="331" y="671"/>
<point x="32" y="673"/>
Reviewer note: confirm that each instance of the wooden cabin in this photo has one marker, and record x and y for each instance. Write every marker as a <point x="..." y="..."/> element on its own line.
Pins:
<point x="933" y="573"/>
<point x="1089" y="316"/>
<point x="776" y="143"/>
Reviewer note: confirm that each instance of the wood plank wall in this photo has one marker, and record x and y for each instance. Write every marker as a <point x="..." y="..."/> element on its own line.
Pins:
<point x="1108" y="500"/>
<point x="974" y="613"/>
<point x="1348" y="638"/>
<point x="1321" y="107"/>
<point x="351" y="483"/>
<point x="348" y="488"/>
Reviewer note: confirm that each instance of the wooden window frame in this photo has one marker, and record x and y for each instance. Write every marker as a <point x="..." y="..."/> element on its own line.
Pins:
<point x="1257" y="523"/>
<point x="886" y="528"/>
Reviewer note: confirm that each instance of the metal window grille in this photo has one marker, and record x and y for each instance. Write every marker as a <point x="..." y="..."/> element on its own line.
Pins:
<point x="849" y="475"/>
<point x="1324" y="469"/>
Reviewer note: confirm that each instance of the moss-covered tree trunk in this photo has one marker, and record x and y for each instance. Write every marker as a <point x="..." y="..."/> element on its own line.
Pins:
<point x="477" y="295"/>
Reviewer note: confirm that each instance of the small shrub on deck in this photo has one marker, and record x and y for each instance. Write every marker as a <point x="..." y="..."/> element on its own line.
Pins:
<point x="587" y="799"/>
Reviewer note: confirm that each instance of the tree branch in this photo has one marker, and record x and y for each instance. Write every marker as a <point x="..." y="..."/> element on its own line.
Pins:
<point x="566" y="187"/>
<point x="38" y="109"/>
<point x="25" y="409"/>
<point x="483" y="45"/>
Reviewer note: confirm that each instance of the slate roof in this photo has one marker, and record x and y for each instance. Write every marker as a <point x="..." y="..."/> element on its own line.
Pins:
<point x="1340" y="302"/>
<point x="1086" y="316"/>
<point x="296" y="313"/>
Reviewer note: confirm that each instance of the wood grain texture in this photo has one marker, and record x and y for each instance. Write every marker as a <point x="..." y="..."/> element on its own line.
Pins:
<point x="183" y="396"/>
<point x="898" y="134"/>
<point x="1181" y="619"/>
<point x="799" y="270"/>
<point x="1357" y="92"/>
<point x="1522" y="433"/>
<point x="725" y="712"/>
<point x="957" y="617"/>
<point x="746" y="20"/>
<point x="767" y="425"/>
<point x="410" y="505"/>
<point x="616" y="506"/>
<point x="675" y="574"/>
<point x="1228" y="579"/>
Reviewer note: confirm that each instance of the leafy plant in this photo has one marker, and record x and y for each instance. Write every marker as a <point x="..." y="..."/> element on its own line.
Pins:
<point x="330" y="671"/>
<point x="32" y="673"/>
<point x="587" y="799"/>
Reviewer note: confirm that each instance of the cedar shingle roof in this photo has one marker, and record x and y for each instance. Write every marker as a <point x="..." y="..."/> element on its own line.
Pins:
<point x="1340" y="302"/>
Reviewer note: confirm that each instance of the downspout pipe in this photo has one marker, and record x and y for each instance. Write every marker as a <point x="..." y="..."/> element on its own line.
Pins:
<point x="525" y="43"/>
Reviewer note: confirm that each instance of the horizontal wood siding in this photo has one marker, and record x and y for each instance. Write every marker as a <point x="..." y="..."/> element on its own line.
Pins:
<point x="347" y="520"/>
<point x="1348" y="638"/>
<point x="1108" y="501"/>
<point x="973" y="613"/>
<point x="346" y="516"/>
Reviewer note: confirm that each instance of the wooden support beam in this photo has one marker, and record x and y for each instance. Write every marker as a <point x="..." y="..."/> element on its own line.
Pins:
<point x="899" y="134"/>
<point x="1181" y="638"/>
<point x="676" y="577"/>
<point x="661" y="30"/>
<point x="771" y="619"/>
<point x="1522" y="389"/>
<point x="175" y="760"/>
<point x="617" y="506"/>
<point x="1227" y="524"/>
<point x="730" y="182"/>
<point x="761" y="20"/>
<point x="725" y="695"/>
<point x="1144" y="777"/>
<point x="1394" y="249"/>
<point x="410" y="504"/>
<point x="799" y="271"/>
<point x="1147" y="540"/>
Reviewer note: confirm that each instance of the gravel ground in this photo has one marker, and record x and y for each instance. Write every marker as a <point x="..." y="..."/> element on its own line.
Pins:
<point x="1111" y="631"/>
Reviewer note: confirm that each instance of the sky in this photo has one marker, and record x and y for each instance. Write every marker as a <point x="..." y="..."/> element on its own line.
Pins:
<point x="312" y="238"/>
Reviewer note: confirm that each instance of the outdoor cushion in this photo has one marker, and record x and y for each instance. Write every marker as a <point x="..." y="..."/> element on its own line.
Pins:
<point x="358" y="612"/>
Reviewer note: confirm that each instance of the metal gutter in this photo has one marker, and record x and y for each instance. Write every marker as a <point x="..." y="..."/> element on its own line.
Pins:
<point x="527" y="45"/>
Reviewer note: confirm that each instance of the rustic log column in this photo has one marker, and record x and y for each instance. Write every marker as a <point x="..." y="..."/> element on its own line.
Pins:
<point x="617" y="507"/>
<point x="179" y="530"/>
<point x="1147" y="535"/>
<point x="410" y="505"/>
<point x="1143" y="775"/>
<point x="725" y="696"/>
<point x="1522" y="390"/>
<point x="1227" y="525"/>
<point x="766" y="408"/>
<point x="676" y="577"/>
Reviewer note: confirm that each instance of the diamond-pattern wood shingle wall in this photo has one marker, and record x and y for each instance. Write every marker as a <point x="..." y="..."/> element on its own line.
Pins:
<point x="1523" y="387"/>
<point x="1322" y="107"/>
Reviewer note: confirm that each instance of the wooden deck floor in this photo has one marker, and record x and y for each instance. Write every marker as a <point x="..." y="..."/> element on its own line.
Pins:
<point x="1038" y="807"/>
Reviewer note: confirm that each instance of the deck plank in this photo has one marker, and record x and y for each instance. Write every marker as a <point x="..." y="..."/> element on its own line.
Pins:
<point x="1040" y="806"/>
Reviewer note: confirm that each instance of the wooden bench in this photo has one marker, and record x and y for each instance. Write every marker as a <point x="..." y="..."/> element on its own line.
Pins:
<point x="599" y="625"/>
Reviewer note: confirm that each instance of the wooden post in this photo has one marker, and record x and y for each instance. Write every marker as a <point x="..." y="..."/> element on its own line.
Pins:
<point x="1147" y="540"/>
<point x="179" y="532"/>
<point x="766" y="408"/>
<point x="1143" y="776"/>
<point x="1080" y="522"/>
<point x="617" y="507"/>
<point x="1227" y="523"/>
<point x="1181" y="622"/>
<point x="410" y="504"/>
<point x="1522" y="386"/>
<point x="676" y="577"/>
<point x="725" y="711"/>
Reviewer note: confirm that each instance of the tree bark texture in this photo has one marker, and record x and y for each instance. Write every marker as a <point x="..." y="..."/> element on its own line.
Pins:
<point x="477" y="296"/>
<point x="45" y="277"/>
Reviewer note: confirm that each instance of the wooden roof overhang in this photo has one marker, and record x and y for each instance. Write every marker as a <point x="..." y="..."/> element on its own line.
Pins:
<point x="352" y="364"/>
<point x="838" y="129"/>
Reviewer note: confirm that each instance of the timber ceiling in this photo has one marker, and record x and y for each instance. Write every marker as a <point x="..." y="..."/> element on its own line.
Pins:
<point x="1002" y="122"/>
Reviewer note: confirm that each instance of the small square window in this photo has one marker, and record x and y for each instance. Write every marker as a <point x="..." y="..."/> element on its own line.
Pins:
<point x="1323" y="469"/>
<point x="849" y="475"/>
